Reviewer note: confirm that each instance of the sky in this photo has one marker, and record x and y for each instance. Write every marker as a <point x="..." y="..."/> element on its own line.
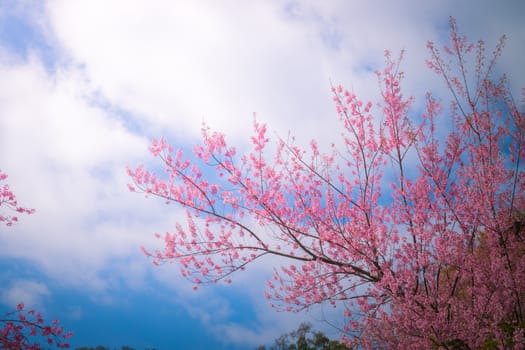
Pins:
<point x="86" y="85"/>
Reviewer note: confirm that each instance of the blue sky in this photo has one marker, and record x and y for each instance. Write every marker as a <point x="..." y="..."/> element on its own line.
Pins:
<point x="86" y="85"/>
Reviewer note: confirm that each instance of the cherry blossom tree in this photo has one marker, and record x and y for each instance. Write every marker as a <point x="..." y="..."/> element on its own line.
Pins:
<point x="411" y="223"/>
<point x="24" y="329"/>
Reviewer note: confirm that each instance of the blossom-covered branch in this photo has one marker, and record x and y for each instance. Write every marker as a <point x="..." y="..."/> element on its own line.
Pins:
<point x="23" y="329"/>
<point x="411" y="222"/>
<point x="8" y="201"/>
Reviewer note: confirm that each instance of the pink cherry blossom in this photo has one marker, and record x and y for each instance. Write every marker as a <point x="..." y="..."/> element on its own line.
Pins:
<point x="417" y="235"/>
<point x="8" y="201"/>
<point x="22" y="328"/>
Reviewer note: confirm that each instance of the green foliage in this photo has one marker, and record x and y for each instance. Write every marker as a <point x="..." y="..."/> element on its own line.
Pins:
<point x="304" y="338"/>
<point x="509" y="329"/>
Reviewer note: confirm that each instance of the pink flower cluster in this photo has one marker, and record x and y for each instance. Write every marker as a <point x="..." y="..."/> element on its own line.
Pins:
<point x="23" y="328"/>
<point x="8" y="200"/>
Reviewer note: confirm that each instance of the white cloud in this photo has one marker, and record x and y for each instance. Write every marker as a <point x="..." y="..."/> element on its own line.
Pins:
<point x="175" y="64"/>
<point x="67" y="159"/>
<point x="29" y="292"/>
